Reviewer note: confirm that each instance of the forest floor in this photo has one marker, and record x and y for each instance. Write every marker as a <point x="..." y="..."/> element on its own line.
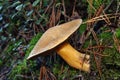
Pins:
<point x="22" y="23"/>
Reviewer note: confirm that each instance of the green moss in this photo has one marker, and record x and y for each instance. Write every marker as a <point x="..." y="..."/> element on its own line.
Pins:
<point x="118" y="33"/>
<point x="110" y="63"/>
<point x="64" y="72"/>
<point x="32" y="43"/>
<point x="82" y="28"/>
<point x="96" y="5"/>
<point x="24" y="67"/>
<point x="13" y="45"/>
<point x="9" y="53"/>
<point x="112" y="58"/>
<point x="1" y="62"/>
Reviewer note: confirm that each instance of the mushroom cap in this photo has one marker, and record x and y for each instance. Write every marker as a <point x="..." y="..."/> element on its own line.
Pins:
<point x="54" y="36"/>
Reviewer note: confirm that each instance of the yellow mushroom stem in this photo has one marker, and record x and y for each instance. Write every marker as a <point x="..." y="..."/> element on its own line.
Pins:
<point x="73" y="57"/>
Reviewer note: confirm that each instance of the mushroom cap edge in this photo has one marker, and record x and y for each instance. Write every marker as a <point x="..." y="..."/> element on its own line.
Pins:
<point x="54" y="36"/>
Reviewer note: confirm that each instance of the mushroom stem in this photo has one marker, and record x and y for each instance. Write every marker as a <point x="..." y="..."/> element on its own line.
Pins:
<point x="73" y="57"/>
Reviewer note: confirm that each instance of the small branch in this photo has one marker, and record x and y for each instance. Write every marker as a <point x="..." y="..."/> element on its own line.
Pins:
<point x="99" y="18"/>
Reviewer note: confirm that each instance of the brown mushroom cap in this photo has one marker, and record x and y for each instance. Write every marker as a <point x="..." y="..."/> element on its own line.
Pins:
<point x="54" y="36"/>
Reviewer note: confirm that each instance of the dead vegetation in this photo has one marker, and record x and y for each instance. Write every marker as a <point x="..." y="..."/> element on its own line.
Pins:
<point x="99" y="36"/>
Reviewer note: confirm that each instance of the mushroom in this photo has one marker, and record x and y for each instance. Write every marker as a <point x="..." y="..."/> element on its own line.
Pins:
<point x="55" y="38"/>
